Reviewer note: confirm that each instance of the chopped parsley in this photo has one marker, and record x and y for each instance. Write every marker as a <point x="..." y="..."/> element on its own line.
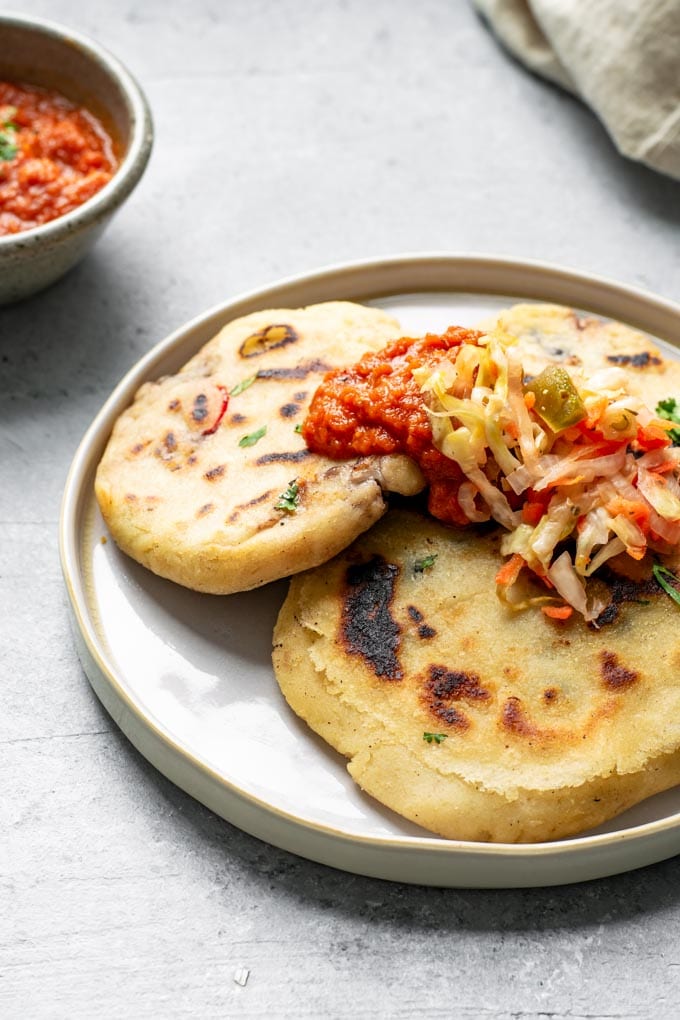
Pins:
<point x="253" y="437"/>
<point x="298" y="427"/>
<point x="8" y="146"/>
<point x="434" y="738"/>
<point x="425" y="564"/>
<point x="289" y="500"/>
<point x="670" y="411"/>
<point x="668" y="581"/>
<point x="243" y="385"/>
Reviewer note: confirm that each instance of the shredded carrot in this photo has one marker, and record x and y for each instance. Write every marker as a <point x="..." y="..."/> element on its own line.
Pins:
<point x="652" y="437"/>
<point x="557" y="612"/>
<point x="529" y="399"/>
<point x="573" y="434"/>
<point x="635" y="552"/>
<point x="510" y="570"/>
<point x="663" y="468"/>
<point x="635" y="510"/>
<point x="597" y="446"/>
<point x="532" y="513"/>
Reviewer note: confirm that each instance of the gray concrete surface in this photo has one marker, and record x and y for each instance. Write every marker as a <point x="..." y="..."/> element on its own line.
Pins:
<point x="290" y="135"/>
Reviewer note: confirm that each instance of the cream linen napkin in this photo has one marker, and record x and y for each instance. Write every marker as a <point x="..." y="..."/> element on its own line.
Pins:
<point x="622" y="57"/>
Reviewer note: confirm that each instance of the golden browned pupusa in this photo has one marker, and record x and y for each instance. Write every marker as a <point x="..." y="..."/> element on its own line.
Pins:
<point x="206" y="480"/>
<point x="586" y="345"/>
<point x="477" y="722"/>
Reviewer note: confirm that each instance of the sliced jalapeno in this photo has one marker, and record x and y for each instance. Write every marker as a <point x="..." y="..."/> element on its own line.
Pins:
<point x="557" y="400"/>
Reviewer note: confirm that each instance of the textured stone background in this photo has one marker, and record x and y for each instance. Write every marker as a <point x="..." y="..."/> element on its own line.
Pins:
<point x="290" y="135"/>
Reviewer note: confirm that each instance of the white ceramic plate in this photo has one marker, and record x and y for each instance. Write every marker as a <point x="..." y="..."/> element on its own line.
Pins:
<point x="188" y="677"/>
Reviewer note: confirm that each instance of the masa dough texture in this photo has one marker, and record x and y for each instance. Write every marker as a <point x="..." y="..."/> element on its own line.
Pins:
<point x="585" y="345"/>
<point x="197" y="507"/>
<point x="546" y="728"/>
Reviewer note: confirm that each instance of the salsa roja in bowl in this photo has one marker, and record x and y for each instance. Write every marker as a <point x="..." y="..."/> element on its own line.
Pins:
<point x="54" y="156"/>
<point x="75" y="138"/>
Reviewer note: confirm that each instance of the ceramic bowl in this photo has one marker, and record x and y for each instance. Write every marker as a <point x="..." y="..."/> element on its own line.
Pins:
<point x="43" y="53"/>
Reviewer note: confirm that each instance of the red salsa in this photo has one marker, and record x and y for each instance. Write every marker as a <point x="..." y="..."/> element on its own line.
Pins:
<point x="376" y="407"/>
<point x="54" y="155"/>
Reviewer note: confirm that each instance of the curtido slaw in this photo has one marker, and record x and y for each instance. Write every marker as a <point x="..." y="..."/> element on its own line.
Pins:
<point x="576" y="471"/>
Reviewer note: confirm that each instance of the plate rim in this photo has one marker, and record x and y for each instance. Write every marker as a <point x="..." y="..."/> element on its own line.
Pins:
<point x="327" y="844"/>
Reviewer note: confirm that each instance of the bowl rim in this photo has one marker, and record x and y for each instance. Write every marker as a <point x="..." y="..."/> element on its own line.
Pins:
<point x="137" y="153"/>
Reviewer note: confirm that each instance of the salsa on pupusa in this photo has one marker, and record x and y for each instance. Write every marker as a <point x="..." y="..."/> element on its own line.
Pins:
<point x="54" y="156"/>
<point x="579" y="473"/>
<point x="556" y="706"/>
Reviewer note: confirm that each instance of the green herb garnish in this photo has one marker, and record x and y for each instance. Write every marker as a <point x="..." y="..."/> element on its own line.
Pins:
<point x="289" y="500"/>
<point x="253" y="437"/>
<point x="670" y="411"/>
<point x="8" y="147"/>
<point x="434" y="738"/>
<point x="421" y="565"/>
<point x="298" y="427"/>
<point x="660" y="576"/>
<point x="243" y="385"/>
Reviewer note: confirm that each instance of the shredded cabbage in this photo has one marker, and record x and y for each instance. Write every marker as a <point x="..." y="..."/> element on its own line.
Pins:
<point x="570" y="498"/>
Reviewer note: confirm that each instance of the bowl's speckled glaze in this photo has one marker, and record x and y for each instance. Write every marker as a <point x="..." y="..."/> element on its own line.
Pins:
<point x="43" y="53"/>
